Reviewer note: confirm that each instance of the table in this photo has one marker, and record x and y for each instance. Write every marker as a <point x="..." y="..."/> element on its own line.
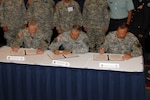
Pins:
<point x="41" y="80"/>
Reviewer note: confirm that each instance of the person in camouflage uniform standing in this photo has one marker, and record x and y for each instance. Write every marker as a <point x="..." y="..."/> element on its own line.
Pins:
<point x="95" y="22"/>
<point x="12" y="18"/>
<point x="73" y="41"/>
<point x="42" y="11"/>
<point x="66" y="15"/>
<point x="122" y="42"/>
<point x="31" y="37"/>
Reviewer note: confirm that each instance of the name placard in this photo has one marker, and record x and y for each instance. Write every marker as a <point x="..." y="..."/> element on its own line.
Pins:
<point x="61" y="63"/>
<point x="17" y="58"/>
<point x="109" y="65"/>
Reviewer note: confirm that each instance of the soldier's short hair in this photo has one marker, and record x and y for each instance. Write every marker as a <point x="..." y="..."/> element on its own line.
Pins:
<point x="76" y="28"/>
<point x="123" y="26"/>
<point x="33" y="23"/>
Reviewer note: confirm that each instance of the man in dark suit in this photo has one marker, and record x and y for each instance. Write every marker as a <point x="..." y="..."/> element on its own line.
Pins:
<point x="140" y="22"/>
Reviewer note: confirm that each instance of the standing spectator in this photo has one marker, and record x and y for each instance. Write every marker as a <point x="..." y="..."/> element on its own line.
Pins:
<point x="95" y="22"/>
<point x="12" y="18"/>
<point x="66" y="15"/>
<point x="120" y="12"/>
<point x="140" y="23"/>
<point x="42" y="11"/>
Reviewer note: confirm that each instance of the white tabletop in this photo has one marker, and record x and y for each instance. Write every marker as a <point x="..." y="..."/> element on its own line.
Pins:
<point x="83" y="61"/>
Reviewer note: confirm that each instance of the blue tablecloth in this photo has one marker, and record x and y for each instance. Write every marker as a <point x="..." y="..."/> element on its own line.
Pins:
<point x="34" y="82"/>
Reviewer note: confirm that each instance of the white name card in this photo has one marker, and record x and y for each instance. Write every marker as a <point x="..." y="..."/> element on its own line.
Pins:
<point x="18" y="58"/>
<point x="61" y="63"/>
<point x="108" y="65"/>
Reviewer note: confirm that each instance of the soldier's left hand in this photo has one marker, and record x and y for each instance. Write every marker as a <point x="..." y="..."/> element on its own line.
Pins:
<point x="25" y="26"/>
<point x="15" y="48"/>
<point x="101" y="51"/>
<point x="126" y="56"/>
<point x="105" y="30"/>
<point x="19" y="35"/>
<point x="67" y="52"/>
<point x="39" y="51"/>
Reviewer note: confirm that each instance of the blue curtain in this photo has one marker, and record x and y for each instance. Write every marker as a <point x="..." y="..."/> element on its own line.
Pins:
<point x="34" y="82"/>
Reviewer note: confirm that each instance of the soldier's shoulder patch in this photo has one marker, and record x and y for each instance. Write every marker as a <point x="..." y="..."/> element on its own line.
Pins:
<point x="138" y="44"/>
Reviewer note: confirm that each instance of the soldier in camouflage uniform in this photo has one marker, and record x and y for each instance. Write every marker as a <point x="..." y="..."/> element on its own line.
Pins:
<point x="42" y="11"/>
<point x="66" y="15"/>
<point x="30" y="37"/>
<point x="12" y="18"/>
<point x="122" y="42"/>
<point x="95" y="22"/>
<point x="74" y="41"/>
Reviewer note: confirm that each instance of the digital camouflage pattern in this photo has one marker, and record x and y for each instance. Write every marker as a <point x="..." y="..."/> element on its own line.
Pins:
<point x="67" y="15"/>
<point x="96" y="20"/>
<point x="42" y="11"/>
<point x="80" y="45"/>
<point x="129" y="44"/>
<point x="12" y="16"/>
<point x="31" y="41"/>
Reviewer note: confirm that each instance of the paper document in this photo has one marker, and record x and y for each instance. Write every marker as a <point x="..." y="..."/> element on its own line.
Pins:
<point x="115" y="57"/>
<point x="30" y="51"/>
<point x="101" y="57"/>
<point x="105" y="57"/>
<point x="54" y="57"/>
<point x="22" y="52"/>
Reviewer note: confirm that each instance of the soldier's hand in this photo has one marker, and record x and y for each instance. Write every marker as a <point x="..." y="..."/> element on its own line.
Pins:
<point x="85" y="29"/>
<point x="101" y="51"/>
<point x="57" y="52"/>
<point x="15" y="48"/>
<point x="67" y="52"/>
<point x="5" y="29"/>
<point x="19" y="35"/>
<point x="39" y="51"/>
<point x="126" y="56"/>
<point x="25" y="26"/>
<point x="53" y="26"/>
<point x="59" y="31"/>
<point x="105" y="30"/>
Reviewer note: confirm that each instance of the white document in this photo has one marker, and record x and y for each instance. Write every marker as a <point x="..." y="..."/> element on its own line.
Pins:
<point x="71" y="55"/>
<point x="30" y="51"/>
<point x="115" y="57"/>
<point x="54" y="57"/>
<point x="100" y="57"/>
<point x="105" y="57"/>
<point x="20" y="52"/>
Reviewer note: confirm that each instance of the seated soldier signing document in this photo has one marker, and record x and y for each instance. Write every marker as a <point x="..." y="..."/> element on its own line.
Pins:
<point x="122" y="42"/>
<point x="75" y="41"/>
<point x="30" y="37"/>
